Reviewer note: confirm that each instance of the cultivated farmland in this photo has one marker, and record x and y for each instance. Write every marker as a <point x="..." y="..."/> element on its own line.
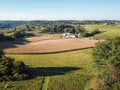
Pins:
<point x="45" y="45"/>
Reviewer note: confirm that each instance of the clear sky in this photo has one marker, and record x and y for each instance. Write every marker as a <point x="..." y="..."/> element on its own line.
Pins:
<point x="59" y="9"/>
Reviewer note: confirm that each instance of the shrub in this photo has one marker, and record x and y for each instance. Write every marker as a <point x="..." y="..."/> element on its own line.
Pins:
<point x="108" y="51"/>
<point x="19" y="67"/>
<point x="96" y="31"/>
<point x="107" y="61"/>
<point x="12" y="70"/>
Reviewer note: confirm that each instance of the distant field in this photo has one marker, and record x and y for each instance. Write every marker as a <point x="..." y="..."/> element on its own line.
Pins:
<point x="37" y="45"/>
<point x="61" y="71"/>
<point x="105" y="29"/>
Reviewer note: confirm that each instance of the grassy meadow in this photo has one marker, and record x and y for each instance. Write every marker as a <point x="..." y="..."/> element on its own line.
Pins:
<point x="105" y="29"/>
<point x="55" y="71"/>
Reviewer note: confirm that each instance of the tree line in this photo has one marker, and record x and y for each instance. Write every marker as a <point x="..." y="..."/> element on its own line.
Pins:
<point x="12" y="24"/>
<point x="29" y="29"/>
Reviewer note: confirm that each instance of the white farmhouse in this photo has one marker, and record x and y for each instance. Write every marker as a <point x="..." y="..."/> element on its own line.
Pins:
<point x="69" y="35"/>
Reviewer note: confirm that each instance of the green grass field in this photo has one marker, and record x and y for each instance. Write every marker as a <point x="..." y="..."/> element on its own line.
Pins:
<point x="105" y="29"/>
<point x="49" y="35"/>
<point x="55" y="71"/>
<point x="80" y="59"/>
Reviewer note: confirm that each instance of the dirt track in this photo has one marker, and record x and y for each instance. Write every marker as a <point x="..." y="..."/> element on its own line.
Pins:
<point x="47" y="45"/>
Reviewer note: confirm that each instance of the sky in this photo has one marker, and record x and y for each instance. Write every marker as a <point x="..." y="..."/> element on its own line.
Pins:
<point x="59" y="9"/>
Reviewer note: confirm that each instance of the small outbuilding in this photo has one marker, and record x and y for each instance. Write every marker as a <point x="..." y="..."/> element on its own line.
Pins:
<point x="69" y="35"/>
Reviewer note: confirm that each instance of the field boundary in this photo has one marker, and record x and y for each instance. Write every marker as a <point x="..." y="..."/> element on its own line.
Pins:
<point x="50" y="52"/>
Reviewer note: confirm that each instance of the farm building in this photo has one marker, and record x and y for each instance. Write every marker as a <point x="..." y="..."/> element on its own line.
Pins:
<point x="69" y="35"/>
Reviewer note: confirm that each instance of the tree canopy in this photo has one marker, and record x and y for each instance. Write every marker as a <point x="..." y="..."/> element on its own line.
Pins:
<point x="107" y="62"/>
<point x="11" y="69"/>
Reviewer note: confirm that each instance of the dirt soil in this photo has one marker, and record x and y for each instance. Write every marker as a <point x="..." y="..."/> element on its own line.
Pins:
<point x="45" y="45"/>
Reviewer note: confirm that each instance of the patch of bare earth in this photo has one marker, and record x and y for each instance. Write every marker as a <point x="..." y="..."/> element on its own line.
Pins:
<point x="49" y="45"/>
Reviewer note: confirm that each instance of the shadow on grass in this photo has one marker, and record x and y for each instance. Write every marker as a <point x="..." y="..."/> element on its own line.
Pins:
<point x="93" y="34"/>
<point x="51" y="71"/>
<point x="12" y="44"/>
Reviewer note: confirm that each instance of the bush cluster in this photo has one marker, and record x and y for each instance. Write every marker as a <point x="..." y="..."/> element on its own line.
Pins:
<point x="107" y="62"/>
<point x="12" y="70"/>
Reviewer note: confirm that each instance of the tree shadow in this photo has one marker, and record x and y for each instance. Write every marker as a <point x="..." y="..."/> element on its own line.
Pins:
<point x="1" y="53"/>
<point x="50" y="71"/>
<point x="12" y="44"/>
<point x="93" y="34"/>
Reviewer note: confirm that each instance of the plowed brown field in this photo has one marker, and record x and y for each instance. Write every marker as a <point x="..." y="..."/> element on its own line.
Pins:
<point x="45" y="45"/>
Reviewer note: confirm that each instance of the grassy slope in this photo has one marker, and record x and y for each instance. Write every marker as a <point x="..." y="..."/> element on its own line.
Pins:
<point x="33" y="84"/>
<point x="106" y="30"/>
<point x="50" y="35"/>
<point x="81" y="59"/>
<point x="68" y="82"/>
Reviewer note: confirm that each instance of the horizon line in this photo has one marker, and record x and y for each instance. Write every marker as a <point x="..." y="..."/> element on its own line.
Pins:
<point x="59" y="20"/>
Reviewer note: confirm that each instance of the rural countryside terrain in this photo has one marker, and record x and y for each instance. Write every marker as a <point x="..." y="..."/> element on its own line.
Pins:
<point x="60" y="55"/>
